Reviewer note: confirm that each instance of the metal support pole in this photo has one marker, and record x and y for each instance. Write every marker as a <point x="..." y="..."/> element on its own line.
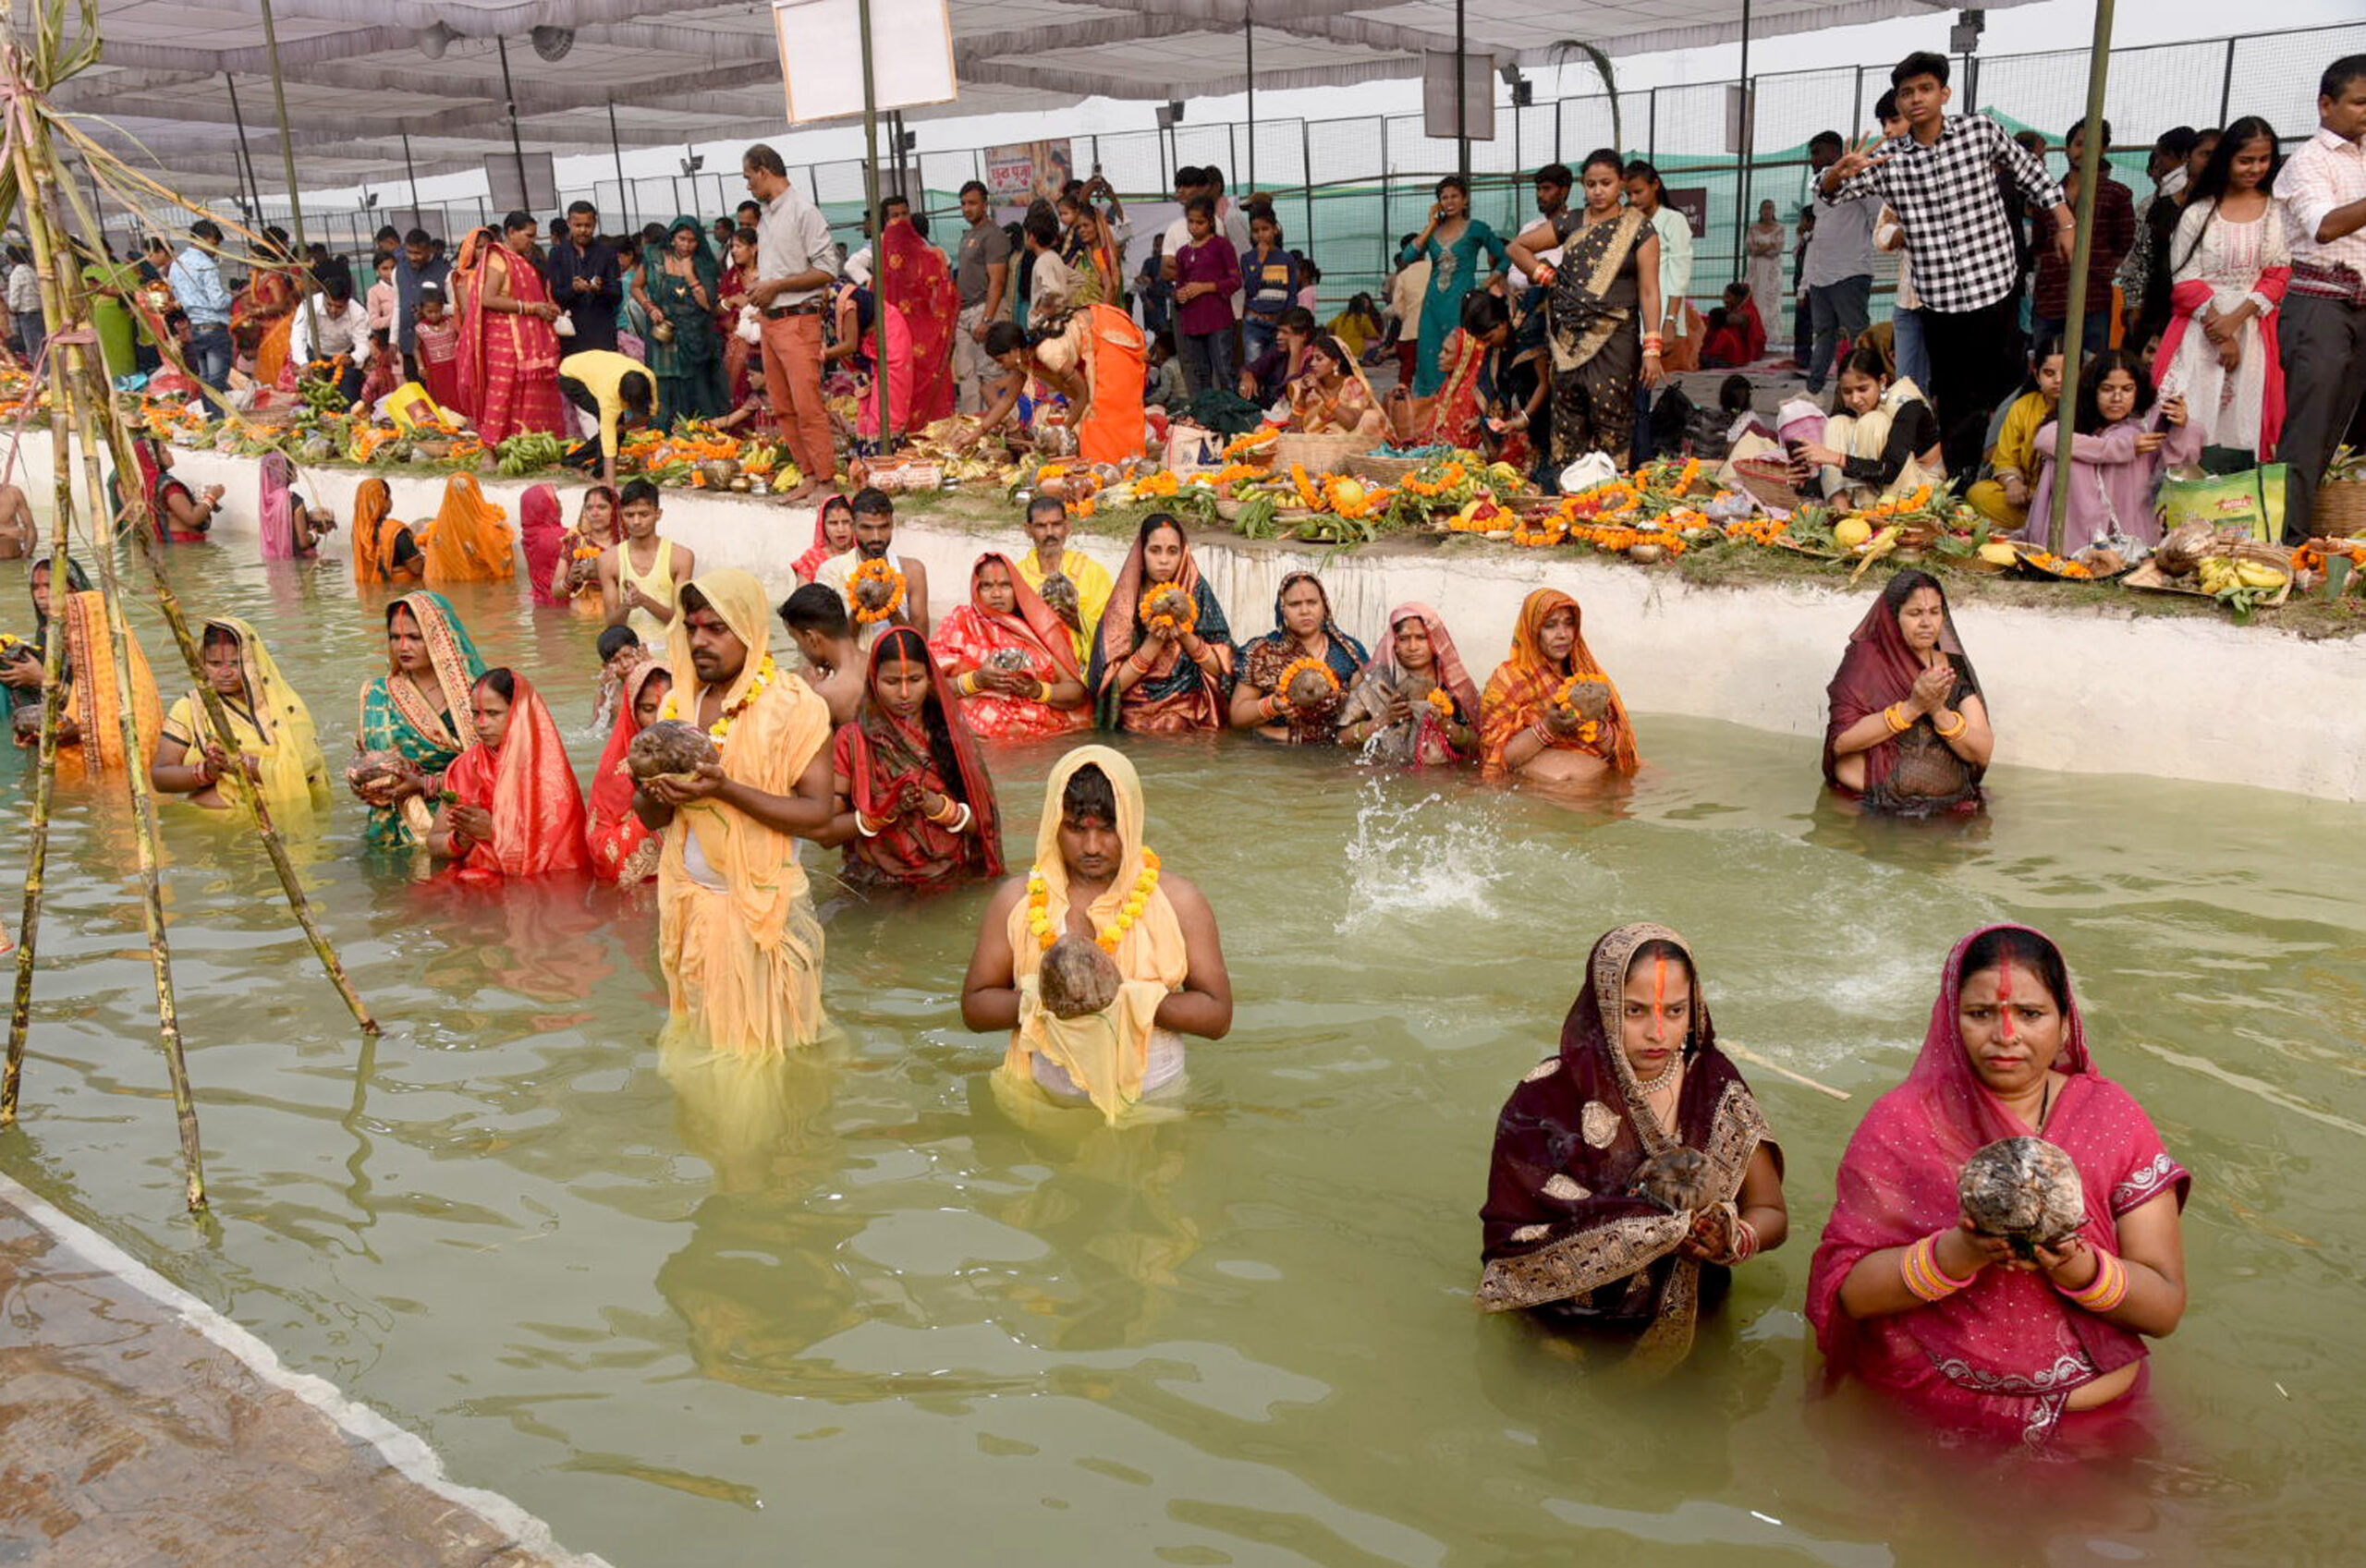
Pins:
<point x="1249" y="43"/>
<point x="2226" y="85"/>
<point x="879" y="238"/>
<point x="516" y="149"/>
<point x="617" y="147"/>
<point x="1742" y="138"/>
<point x="1305" y="181"/>
<point x="2074" y="329"/>
<point x="252" y="199"/>
<point x="1462" y="114"/>
<point x="412" y="170"/>
<point x="1650" y="130"/>
<point x="304" y="281"/>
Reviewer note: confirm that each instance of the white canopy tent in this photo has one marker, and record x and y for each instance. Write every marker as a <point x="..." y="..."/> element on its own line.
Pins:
<point x="376" y="88"/>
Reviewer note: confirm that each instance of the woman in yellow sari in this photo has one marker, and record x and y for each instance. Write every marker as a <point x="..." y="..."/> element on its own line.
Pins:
<point x="1095" y="882"/>
<point x="272" y="725"/>
<point x="470" y="539"/>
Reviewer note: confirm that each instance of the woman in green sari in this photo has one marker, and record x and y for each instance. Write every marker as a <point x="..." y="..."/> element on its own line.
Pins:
<point x="414" y="718"/>
<point x="678" y="287"/>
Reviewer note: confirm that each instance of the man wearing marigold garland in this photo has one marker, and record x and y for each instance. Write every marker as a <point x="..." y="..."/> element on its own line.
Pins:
<point x="1095" y="889"/>
<point x="1089" y="584"/>
<point x="874" y="557"/>
<point x="737" y="933"/>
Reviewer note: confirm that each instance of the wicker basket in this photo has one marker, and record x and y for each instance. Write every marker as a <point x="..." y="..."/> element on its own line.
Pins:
<point x="1318" y="453"/>
<point x="2341" y="511"/>
<point x="1389" y="471"/>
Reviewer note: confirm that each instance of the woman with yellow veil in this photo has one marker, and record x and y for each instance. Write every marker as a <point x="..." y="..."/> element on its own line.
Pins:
<point x="272" y="725"/>
<point x="1095" y="881"/>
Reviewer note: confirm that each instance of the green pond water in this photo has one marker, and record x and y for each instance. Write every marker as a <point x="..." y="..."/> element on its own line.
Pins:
<point x="847" y="1311"/>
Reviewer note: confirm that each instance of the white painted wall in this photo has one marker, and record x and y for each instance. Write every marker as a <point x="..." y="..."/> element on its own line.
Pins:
<point x="2091" y="691"/>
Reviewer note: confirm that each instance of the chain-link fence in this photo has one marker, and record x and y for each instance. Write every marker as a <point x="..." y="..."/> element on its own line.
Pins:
<point x="1347" y="190"/>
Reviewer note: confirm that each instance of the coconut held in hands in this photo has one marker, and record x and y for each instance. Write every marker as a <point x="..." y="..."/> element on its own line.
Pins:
<point x="670" y="746"/>
<point x="2024" y="1190"/>
<point x="1679" y="1181"/>
<point x="1310" y="688"/>
<point x="1078" y="978"/>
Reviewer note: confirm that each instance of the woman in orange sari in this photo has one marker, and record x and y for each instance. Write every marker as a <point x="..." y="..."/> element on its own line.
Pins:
<point x="1098" y="359"/>
<point x="623" y="850"/>
<point x="1011" y="659"/>
<point x="92" y="721"/>
<point x="508" y="352"/>
<point x="384" y="549"/>
<point x="262" y="317"/>
<point x="511" y="806"/>
<point x="916" y="281"/>
<point x="1549" y="712"/>
<point x="470" y="539"/>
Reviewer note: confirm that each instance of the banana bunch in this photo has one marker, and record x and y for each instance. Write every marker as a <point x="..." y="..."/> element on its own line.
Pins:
<point x="2220" y="576"/>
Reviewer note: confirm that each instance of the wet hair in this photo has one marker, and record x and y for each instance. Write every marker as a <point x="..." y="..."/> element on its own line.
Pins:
<point x="1004" y="337"/>
<point x="2091" y="420"/>
<point x="1556" y="174"/>
<point x="636" y="490"/>
<point x="2217" y="175"/>
<point x="818" y="608"/>
<point x="1607" y="159"/>
<point x="872" y="502"/>
<point x="1920" y="62"/>
<point x="2018" y="945"/>
<point x="761" y="156"/>
<point x="1297" y="319"/>
<point x="615" y="641"/>
<point x="501" y="681"/>
<point x="1047" y="506"/>
<point x="1089" y="796"/>
<point x="904" y="643"/>
<point x="1482" y="314"/>
<point x="2340" y="74"/>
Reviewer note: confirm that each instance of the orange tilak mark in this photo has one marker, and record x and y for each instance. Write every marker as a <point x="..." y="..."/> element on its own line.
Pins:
<point x="2004" y="1001"/>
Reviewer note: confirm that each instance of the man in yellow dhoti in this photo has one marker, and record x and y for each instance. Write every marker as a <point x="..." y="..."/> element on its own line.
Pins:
<point x="1047" y="529"/>
<point x="1094" y="880"/>
<point x="741" y="947"/>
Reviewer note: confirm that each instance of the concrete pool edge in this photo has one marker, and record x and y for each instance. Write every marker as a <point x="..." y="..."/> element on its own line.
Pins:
<point x="2101" y="691"/>
<point x="405" y="1453"/>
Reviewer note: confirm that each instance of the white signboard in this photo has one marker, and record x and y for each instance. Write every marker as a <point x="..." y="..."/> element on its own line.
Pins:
<point x="820" y="55"/>
<point x="1478" y="96"/>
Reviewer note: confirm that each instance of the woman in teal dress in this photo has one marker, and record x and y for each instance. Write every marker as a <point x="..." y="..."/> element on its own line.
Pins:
<point x="679" y="286"/>
<point x="1453" y="242"/>
<point x="419" y="711"/>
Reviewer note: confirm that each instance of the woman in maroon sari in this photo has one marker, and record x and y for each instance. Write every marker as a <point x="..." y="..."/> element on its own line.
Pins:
<point x="508" y="352"/>
<point x="1582" y="1222"/>
<point x="916" y="806"/>
<point x="1908" y="1293"/>
<point x="1908" y="730"/>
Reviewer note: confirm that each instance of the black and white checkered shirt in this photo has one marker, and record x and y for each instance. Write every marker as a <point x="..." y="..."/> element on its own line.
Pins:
<point x="1948" y="199"/>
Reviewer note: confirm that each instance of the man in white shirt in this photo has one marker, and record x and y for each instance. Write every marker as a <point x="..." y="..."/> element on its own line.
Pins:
<point x="795" y="264"/>
<point x="333" y="323"/>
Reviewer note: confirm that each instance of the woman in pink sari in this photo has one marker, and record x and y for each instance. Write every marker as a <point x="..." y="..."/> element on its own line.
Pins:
<point x="508" y="352"/>
<point x="857" y="347"/>
<point x="543" y="530"/>
<point x="291" y="528"/>
<point x="833" y="535"/>
<point x="918" y="284"/>
<point x="1011" y="659"/>
<point x="2040" y="1345"/>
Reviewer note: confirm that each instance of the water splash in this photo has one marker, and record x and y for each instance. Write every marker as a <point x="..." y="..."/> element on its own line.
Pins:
<point x="1412" y="858"/>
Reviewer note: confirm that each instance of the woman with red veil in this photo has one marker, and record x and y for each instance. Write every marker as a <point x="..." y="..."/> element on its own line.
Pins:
<point x="916" y="806"/>
<point x="623" y="850"/>
<point x="917" y="282"/>
<point x="1909" y="731"/>
<point x="512" y="807"/>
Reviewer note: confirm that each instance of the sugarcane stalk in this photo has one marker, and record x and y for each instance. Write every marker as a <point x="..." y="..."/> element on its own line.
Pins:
<point x="61" y="293"/>
<point x="52" y="657"/>
<point x="135" y="508"/>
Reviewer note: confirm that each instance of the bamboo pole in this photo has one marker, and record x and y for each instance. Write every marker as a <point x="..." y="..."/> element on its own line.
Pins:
<point x="119" y="442"/>
<point x="61" y="300"/>
<point x="2074" y="326"/>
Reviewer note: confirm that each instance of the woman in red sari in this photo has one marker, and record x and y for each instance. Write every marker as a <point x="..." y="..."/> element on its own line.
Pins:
<point x="916" y="280"/>
<point x="1493" y="396"/>
<point x="623" y="851"/>
<point x="2041" y="1346"/>
<point x="1907" y="733"/>
<point x="833" y="535"/>
<point x="1526" y="725"/>
<point x="731" y="295"/>
<point x="916" y="806"/>
<point x="508" y="352"/>
<point x="512" y="808"/>
<point x="1011" y="659"/>
<point x="544" y="534"/>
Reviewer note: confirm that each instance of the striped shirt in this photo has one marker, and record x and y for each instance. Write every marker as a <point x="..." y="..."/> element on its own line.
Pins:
<point x="1947" y="198"/>
<point x="2324" y="173"/>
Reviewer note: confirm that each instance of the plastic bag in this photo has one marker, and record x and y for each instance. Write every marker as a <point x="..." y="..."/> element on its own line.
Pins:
<point x="1594" y="468"/>
<point x="2253" y="499"/>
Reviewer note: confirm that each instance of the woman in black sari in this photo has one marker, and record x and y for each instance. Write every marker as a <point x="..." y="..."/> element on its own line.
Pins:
<point x="1605" y="285"/>
<point x="1633" y="1162"/>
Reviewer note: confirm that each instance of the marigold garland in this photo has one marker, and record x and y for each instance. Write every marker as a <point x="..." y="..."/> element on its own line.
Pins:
<point x="1308" y="664"/>
<point x="720" y="730"/>
<point x="1590" y="730"/>
<point x="1549" y="529"/>
<point x="1038" y="899"/>
<point x="1303" y="483"/>
<point x="876" y="570"/>
<point x="1439" y="699"/>
<point x="1168" y="604"/>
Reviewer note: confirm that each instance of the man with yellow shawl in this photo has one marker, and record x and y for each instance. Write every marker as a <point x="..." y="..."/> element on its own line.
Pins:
<point x="1095" y="882"/>
<point x="274" y="730"/>
<point x="741" y="947"/>
<point x="1080" y="586"/>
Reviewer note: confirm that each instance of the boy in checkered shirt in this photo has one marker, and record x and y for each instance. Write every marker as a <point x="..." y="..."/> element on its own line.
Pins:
<point x="1940" y="180"/>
